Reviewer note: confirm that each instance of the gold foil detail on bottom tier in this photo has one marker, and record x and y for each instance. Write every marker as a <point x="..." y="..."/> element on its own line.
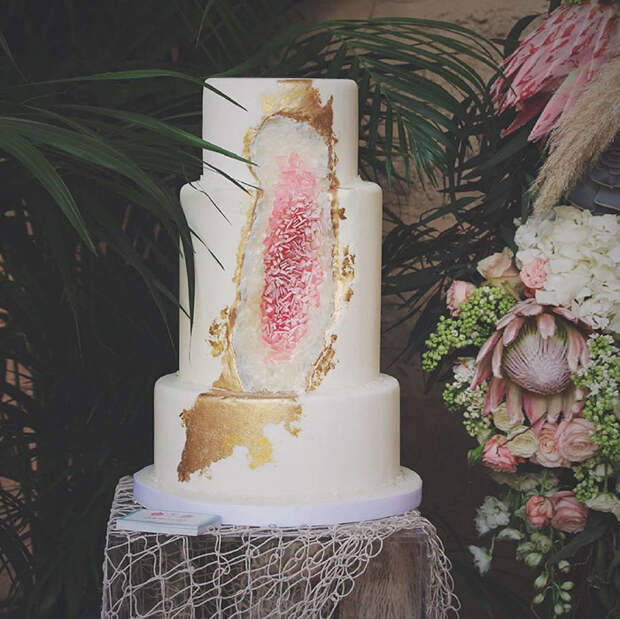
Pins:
<point x="221" y="420"/>
<point x="323" y="364"/>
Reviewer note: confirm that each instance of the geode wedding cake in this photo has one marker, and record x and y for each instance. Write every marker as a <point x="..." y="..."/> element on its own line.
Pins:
<point x="279" y="413"/>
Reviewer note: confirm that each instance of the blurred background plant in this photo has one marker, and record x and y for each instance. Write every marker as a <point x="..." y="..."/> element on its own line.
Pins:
<point x="100" y="117"/>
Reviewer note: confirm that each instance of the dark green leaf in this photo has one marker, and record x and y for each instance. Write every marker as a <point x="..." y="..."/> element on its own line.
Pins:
<point x="41" y="169"/>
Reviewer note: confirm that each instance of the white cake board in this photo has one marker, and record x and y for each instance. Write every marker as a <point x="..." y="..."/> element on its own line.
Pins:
<point x="402" y="497"/>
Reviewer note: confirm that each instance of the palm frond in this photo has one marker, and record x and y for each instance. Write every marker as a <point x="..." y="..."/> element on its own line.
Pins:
<point x="489" y="193"/>
<point x="418" y="93"/>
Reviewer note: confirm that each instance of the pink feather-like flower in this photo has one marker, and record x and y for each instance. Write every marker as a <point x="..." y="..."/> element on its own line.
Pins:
<point x="552" y="65"/>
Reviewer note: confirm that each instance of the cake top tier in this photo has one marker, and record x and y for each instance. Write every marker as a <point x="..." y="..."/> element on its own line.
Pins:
<point x="329" y="104"/>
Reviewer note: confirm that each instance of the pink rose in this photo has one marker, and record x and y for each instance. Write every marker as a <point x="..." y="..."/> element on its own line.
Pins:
<point x="498" y="457"/>
<point x="457" y="294"/>
<point x="498" y="266"/>
<point x="539" y="510"/>
<point x="574" y="439"/>
<point x="569" y="514"/>
<point x="547" y="453"/>
<point x="534" y="274"/>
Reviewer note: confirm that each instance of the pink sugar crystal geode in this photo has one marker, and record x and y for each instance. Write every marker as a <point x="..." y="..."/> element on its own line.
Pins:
<point x="293" y="270"/>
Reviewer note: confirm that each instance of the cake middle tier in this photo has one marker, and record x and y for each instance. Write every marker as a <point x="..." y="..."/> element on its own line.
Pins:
<point x="287" y="291"/>
<point x="244" y="447"/>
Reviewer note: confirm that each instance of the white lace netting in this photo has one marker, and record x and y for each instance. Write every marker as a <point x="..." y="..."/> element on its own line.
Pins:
<point x="237" y="571"/>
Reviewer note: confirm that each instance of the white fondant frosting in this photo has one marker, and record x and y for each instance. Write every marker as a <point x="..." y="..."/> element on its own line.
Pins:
<point x="225" y="124"/>
<point x="347" y="445"/>
<point x="405" y="494"/>
<point x="356" y="323"/>
<point x="306" y="235"/>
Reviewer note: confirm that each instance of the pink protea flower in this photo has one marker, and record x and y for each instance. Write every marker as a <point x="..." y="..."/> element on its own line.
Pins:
<point x="551" y="66"/>
<point x="530" y="359"/>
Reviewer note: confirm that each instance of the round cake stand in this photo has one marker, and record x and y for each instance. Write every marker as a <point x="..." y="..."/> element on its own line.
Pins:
<point x="399" y="498"/>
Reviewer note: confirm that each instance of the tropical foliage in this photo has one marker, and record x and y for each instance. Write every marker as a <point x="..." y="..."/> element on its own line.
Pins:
<point x="486" y="195"/>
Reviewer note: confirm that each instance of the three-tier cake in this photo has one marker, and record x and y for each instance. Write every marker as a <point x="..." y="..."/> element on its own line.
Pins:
<point x="279" y="413"/>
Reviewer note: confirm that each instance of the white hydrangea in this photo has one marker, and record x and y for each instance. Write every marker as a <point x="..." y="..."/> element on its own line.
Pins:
<point x="490" y="515"/>
<point x="583" y="256"/>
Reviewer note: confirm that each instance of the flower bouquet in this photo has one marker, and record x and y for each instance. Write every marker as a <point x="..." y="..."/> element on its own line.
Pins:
<point x="539" y="394"/>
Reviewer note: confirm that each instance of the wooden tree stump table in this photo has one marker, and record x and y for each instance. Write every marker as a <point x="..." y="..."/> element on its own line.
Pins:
<point x="393" y="567"/>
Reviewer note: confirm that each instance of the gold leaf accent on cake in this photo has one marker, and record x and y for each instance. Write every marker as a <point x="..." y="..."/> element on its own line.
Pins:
<point x="323" y="364"/>
<point x="229" y="378"/>
<point x="217" y="333"/>
<point x="221" y="420"/>
<point x="347" y="272"/>
<point x="347" y="269"/>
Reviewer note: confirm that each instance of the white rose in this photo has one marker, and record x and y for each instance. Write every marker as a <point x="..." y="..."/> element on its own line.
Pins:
<point x="500" y="419"/>
<point x="522" y="442"/>
<point x="557" y="264"/>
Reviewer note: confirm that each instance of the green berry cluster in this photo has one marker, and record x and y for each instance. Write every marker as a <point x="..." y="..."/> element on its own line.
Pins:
<point x="474" y="324"/>
<point x="588" y="486"/>
<point x="450" y="394"/>
<point x="600" y="379"/>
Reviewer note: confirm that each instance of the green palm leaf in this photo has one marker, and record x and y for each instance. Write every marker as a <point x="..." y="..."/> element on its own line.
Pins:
<point x="413" y="77"/>
<point x="40" y="168"/>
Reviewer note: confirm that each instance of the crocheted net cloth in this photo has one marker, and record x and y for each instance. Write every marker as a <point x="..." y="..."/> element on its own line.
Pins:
<point x="238" y="571"/>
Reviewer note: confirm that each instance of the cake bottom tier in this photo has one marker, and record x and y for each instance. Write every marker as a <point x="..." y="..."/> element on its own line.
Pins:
<point x="277" y="449"/>
<point x="397" y="498"/>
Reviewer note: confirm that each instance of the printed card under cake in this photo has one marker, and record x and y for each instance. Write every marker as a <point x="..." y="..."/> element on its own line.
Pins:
<point x="157" y="521"/>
